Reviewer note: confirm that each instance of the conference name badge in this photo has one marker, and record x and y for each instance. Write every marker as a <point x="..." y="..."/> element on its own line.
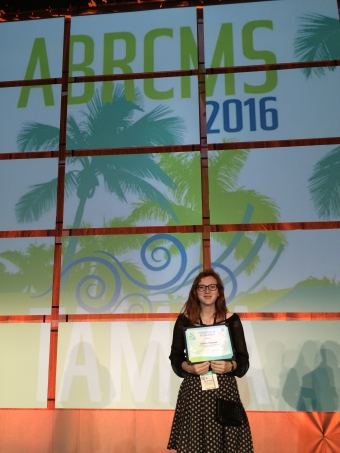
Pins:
<point x="209" y="381"/>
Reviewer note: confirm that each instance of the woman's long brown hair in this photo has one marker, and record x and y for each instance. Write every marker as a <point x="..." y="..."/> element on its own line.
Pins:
<point x="192" y="308"/>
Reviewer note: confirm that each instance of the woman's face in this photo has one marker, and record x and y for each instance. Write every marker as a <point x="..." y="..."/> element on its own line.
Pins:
<point x="207" y="297"/>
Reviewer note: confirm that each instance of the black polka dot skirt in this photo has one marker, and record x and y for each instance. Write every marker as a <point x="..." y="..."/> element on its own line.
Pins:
<point x="194" y="429"/>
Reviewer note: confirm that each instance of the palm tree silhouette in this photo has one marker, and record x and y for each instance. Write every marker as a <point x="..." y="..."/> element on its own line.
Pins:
<point x="319" y="39"/>
<point x="34" y="268"/>
<point x="104" y="125"/>
<point x="228" y="201"/>
<point x="324" y="185"/>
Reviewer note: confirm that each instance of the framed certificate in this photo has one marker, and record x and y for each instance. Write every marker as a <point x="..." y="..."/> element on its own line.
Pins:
<point x="205" y="343"/>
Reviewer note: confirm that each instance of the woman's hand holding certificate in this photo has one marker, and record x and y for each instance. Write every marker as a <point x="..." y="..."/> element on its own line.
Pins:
<point x="197" y="368"/>
<point x="221" y="366"/>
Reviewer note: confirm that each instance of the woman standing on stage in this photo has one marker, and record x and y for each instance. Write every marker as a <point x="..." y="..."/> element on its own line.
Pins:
<point x="194" y="428"/>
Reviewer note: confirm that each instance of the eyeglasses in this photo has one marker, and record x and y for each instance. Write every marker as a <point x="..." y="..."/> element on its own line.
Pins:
<point x="211" y="287"/>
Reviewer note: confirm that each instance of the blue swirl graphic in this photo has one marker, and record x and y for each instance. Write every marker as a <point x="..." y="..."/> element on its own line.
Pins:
<point x="137" y="304"/>
<point x="92" y="280"/>
<point x="148" y="255"/>
<point x="186" y="280"/>
<point x="115" y="296"/>
<point x="157" y="237"/>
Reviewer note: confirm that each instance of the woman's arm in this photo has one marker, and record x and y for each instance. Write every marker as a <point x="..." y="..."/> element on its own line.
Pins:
<point x="177" y="354"/>
<point x="240" y="346"/>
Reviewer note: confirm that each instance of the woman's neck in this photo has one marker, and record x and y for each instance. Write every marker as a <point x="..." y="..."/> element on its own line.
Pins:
<point x="208" y="314"/>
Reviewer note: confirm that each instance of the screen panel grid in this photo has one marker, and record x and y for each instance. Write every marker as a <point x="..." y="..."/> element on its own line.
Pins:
<point x="122" y="231"/>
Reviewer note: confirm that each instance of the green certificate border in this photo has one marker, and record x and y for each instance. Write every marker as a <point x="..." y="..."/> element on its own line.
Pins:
<point x="199" y="359"/>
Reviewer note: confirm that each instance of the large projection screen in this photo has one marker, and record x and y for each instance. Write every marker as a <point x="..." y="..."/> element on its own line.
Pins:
<point x="138" y="148"/>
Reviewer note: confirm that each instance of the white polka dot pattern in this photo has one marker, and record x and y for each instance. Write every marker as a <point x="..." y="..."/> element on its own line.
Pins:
<point x="194" y="429"/>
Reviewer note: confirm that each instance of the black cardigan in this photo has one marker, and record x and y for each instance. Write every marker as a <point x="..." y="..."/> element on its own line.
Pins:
<point x="178" y="353"/>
